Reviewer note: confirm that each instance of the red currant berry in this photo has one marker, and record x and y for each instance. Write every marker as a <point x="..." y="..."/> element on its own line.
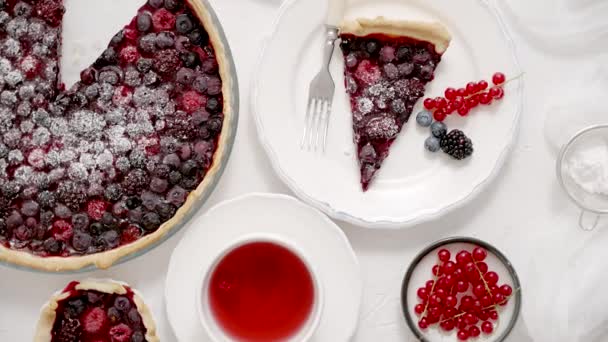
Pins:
<point x="482" y="315"/>
<point x="486" y="300"/>
<point x="494" y="289"/>
<point x="463" y="111"/>
<point x="450" y="312"/>
<point x="437" y="270"/>
<point x="429" y="103"/>
<point x="440" y="102"/>
<point x="449" y="267"/>
<point x="435" y="313"/>
<point x="463" y="257"/>
<point x="463" y="335"/>
<point x="487" y="327"/>
<point x="432" y="320"/>
<point x="471" y="319"/>
<point x="466" y="302"/>
<point x="498" y="78"/>
<point x="419" y="309"/>
<point x="461" y="92"/>
<point x="444" y="255"/>
<point x="462" y="286"/>
<point x="458" y="274"/>
<point x="435" y="300"/>
<point x="448" y="325"/>
<point x="458" y="102"/>
<point x="429" y="285"/>
<point x="471" y="88"/>
<point x="423" y="293"/>
<point x="474" y="331"/>
<point x="440" y="292"/>
<point x="472" y="102"/>
<point x="450" y="280"/>
<point x="450" y="93"/>
<point x="476" y="307"/>
<point x="439" y="115"/>
<point x="485" y="99"/>
<point x="449" y="109"/>
<point x="506" y="290"/>
<point x="460" y="323"/>
<point x="483" y="267"/>
<point x="497" y="93"/>
<point x="479" y="254"/>
<point x="482" y="85"/>
<point x="450" y="301"/>
<point x="479" y="290"/>
<point x="491" y="277"/>
<point x="423" y="323"/>
<point x="442" y="284"/>
<point x="493" y="315"/>
<point x="498" y="298"/>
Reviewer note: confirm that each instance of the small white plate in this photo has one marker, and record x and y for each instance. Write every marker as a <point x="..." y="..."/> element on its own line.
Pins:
<point x="323" y="242"/>
<point x="413" y="185"/>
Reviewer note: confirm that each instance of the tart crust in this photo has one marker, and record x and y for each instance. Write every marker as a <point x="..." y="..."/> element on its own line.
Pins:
<point x="106" y="259"/>
<point x="48" y="313"/>
<point x="433" y="32"/>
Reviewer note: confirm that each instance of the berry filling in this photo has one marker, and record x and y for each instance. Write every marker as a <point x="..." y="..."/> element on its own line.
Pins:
<point x="385" y="76"/>
<point x="111" y="159"/>
<point x="90" y="316"/>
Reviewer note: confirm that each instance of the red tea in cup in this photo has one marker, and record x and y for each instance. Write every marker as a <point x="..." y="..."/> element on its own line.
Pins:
<point x="261" y="292"/>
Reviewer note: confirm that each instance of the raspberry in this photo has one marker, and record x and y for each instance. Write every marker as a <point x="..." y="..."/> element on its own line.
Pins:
<point x="51" y="11"/>
<point x="96" y="209"/>
<point x="163" y="20"/>
<point x="368" y="73"/>
<point x="192" y="101"/>
<point x="129" y="54"/>
<point x="62" y="230"/>
<point x="94" y="321"/>
<point x="121" y="333"/>
<point x="167" y="61"/>
<point x="131" y="234"/>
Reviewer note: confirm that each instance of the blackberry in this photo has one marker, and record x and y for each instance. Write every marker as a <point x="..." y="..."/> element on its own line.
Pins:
<point x="198" y="37"/>
<point x="71" y="194"/>
<point x="136" y="181"/>
<point x="70" y="330"/>
<point x="457" y="145"/>
<point x="190" y="59"/>
<point x="113" y="192"/>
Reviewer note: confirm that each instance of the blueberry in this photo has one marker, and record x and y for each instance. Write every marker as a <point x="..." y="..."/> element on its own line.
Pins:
<point x="81" y="241"/>
<point x="183" y="24"/>
<point x="133" y="202"/>
<point x="108" y="57"/>
<point x="109" y="221"/>
<point x="52" y="246"/>
<point x="96" y="229"/>
<point x="165" y="40"/>
<point x="403" y="53"/>
<point x="424" y="118"/>
<point x="213" y="105"/>
<point x="189" y="168"/>
<point x="172" y="5"/>
<point x="198" y="37"/>
<point x="80" y="221"/>
<point x="351" y="60"/>
<point x="109" y="239"/>
<point x="151" y="221"/>
<point x="22" y="9"/>
<point x="156" y="3"/>
<point x="75" y="307"/>
<point x="166" y="210"/>
<point x="147" y="43"/>
<point x="432" y="144"/>
<point x="185" y="76"/>
<point x="189" y="58"/>
<point x="118" y="38"/>
<point x="114" y="315"/>
<point x="144" y="22"/>
<point x="201" y="84"/>
<point x="122" y="303"/>
<point x="134" y="317"/>
<point x="372" y="47"/>
<point x="439" y="129"/>
<point x="137" y="336"/>
<point x="175" y="177"/>
<point x="158" y="185"/>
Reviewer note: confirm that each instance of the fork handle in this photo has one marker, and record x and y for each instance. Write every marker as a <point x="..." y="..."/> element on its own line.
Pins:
<point x="335" y="12"/>
<point x="328" y="50"/>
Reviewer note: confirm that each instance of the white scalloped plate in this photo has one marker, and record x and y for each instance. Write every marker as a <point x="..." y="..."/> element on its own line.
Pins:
<point x="413" y="186"/>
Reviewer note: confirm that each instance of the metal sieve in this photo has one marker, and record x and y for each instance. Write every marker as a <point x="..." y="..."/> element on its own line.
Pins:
<point x="592" y="205"/>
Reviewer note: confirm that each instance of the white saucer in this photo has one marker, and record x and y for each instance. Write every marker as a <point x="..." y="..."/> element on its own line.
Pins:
<point x="413" y="185"/>
<point x="323" y="242"/>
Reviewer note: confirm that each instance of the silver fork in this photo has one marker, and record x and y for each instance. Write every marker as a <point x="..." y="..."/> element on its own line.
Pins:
<point x="322" y="87"/>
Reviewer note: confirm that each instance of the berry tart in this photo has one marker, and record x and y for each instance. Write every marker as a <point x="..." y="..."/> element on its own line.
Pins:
<point x="109" y="167"/>
<point x="387" y="65"/>
<point x="94" y="311"/>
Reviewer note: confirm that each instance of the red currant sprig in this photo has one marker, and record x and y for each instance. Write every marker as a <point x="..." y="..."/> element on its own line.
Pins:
<point x="463" y="295"/>
<point x="463" y="100"/>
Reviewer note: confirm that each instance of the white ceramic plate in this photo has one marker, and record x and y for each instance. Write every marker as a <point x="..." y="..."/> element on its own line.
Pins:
<point x="324" y="243"/>
<point x="413" y="186"/>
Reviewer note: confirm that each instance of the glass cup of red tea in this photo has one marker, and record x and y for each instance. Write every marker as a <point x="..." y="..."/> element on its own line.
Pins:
<point x="260" y="288"/>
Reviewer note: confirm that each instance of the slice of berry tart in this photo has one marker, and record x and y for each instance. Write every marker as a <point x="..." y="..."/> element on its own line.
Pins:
<point x="96" y="311"/>
<point x="387" y="65"/>
<point x="109" y="167"/>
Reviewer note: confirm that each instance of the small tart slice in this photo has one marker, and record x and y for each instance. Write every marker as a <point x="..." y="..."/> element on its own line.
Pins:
<point x="387" y="65"/>
<point x="96" y="310"/>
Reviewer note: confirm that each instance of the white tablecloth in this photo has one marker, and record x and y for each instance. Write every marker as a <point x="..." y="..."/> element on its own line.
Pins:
<point x="518" y="213"/>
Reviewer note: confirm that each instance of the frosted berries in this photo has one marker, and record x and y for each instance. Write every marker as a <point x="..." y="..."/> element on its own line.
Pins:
<point x="454" y="143"/>
<point x="463" y="295"/>
<point x="464" y="100"/>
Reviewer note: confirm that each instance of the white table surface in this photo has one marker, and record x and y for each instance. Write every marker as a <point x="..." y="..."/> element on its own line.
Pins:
<point x="525" y="192"/>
